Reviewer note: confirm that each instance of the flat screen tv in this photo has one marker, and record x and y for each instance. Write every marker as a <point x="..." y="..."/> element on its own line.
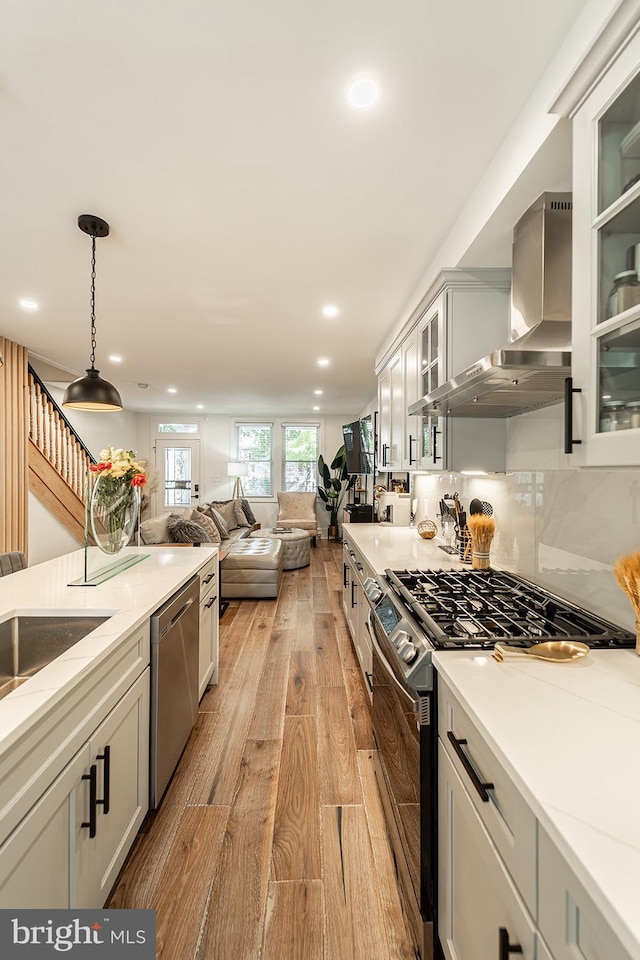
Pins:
<point x="358" y="445"/>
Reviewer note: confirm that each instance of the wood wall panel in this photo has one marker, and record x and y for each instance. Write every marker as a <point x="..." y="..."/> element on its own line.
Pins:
<point x="14" y="428"/>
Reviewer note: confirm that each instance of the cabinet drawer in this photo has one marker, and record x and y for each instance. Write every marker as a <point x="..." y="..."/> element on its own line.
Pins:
<point x="569" y="919"/>
<point x="479" y="910"/>
<point x="510" y="822"/>
<point x="208" y="576"/>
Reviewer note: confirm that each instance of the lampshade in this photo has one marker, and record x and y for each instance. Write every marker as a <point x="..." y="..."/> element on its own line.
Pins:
<point x="237" y="470"/>
<point x="92" y="393"/>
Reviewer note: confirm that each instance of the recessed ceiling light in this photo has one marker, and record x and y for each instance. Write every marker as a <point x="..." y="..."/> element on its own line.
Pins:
<point x="115" y="358"/>
<point x="323" y="362"/>
<point x="362" y="92"/>
<point x="200" y="406"/>
<point x="330" y="310"/>
<point x="28" y="304"/>
<point x="316" y="408"/>
<point x="171" y="390"/>
<point x="318" y="393"/>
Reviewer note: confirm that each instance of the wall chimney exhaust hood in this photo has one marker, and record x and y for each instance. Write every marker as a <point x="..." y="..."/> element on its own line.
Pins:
<point x="530" y="371"/>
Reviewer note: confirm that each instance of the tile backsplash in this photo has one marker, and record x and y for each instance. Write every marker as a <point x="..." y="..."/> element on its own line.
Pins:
<point x="562" y="528"/>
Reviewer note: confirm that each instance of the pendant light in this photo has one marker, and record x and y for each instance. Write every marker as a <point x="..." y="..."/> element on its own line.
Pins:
<point x="92" y="393"/>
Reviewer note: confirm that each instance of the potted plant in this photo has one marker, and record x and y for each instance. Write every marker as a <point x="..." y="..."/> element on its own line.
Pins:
<point x="335" y="484"/>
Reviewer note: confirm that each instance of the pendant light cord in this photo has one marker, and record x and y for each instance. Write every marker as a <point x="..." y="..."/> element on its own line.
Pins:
<point x="93" y="301"/>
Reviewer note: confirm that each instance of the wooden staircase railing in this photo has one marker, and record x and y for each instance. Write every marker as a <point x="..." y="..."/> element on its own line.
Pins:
<point x="58" y="459"/>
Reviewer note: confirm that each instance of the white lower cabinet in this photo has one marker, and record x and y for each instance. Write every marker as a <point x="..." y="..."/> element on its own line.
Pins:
<point x="355" y="606"/>
<point x="37" y="862"/>
<point x="51" y="859"/>
<point x="209" y="626"/>
<point x="480" y="913"/>
<point x="118" y="750"/>
<point x="570" y="921"/>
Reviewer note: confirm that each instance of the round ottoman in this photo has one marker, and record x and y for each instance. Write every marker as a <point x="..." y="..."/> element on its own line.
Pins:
<point x="296" y="546"/>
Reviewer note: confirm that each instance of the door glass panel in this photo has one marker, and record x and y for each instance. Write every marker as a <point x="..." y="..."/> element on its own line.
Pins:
<point x="619" y="146"/>
<point x="620" y="263"/>
<point x="177" y="476"/>
<point x="619" y="379"/>
<point x="433" y="326"/>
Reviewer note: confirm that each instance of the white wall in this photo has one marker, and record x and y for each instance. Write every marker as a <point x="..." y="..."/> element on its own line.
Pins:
<point x="47" y="537"/>
<point x="560" y="526"/>
<point x="218" y="447"/>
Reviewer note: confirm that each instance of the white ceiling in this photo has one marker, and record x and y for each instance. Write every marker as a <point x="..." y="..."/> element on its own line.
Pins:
<point x="242" y="191"/>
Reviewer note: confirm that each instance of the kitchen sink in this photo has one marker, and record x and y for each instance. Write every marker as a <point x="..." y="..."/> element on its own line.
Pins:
<point x="29" y="643"/>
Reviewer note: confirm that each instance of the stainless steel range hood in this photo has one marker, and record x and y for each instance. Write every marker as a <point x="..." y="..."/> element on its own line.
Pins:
<point x="530" y="370"/>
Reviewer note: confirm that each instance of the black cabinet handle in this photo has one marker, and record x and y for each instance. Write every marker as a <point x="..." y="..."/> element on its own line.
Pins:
<point x="369" y="677"/>
<point x="569" y="391"/>
<point x="506" y="948"/>
<point x="345" y="581"/>
<point x="209" y="578"/>
<point x="353" y="602"/>
<point x="105" y="756"/>
<point x="435" y="444"/>
<point x="480" y="785"/>
<point x="411" y="443"/>
<point x="92" y="777"/>
<point x="210" y="602"/>
<point x="385" y="447"/>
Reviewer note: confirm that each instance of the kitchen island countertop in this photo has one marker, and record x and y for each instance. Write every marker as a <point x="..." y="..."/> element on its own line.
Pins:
<point x="128" y="599"/>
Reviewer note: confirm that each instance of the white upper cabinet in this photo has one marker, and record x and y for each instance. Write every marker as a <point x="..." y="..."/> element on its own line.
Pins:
<point x="606" y="267"/>
<point x="466" y="316"/>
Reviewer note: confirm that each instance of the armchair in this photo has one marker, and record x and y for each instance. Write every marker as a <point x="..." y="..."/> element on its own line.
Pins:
<point x="298" y="510"/>
<point x="12" y="562"/>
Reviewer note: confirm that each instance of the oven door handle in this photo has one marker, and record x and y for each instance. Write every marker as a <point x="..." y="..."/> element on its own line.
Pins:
<point x="415" y="704"/>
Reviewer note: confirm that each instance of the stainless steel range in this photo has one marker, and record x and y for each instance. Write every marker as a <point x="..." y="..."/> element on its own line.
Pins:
<point x="413" y="613"/>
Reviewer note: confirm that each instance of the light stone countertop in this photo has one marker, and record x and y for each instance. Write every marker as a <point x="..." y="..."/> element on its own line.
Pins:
<point x="568" y="735"/>
<point x="128" y="599"/>
<point x="387" y="546"/>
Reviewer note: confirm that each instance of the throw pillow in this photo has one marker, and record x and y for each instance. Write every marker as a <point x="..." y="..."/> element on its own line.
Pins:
<point x="186" y="531"/>
<point x="227" y="511"/>
<point x="218" y="519"/>
<point x="155" y="530"/>
<point x="248" y="512"/>
<point x="241" y="520"/>
<point x="207" y="524"/>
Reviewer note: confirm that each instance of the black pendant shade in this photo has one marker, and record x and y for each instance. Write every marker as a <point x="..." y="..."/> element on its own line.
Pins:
<point x="92" y="393"/>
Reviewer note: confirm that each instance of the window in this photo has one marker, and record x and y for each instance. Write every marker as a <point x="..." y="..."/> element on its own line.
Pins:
<point x="177" y="428"/>
<point x="300" y="457"/>
<point x="254" y="447"/>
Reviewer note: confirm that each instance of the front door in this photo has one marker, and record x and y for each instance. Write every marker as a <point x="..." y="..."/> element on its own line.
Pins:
<point x="178" y="466"/>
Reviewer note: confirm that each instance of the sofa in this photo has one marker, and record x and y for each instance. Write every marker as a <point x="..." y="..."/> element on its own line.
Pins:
<point x="249" y="568"/>
<point x="219" y="522"/>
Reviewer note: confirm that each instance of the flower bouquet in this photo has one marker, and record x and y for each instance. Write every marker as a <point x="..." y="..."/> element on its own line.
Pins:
<point x="115" y="498"/>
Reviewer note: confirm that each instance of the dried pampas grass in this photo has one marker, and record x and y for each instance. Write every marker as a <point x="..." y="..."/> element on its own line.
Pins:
<point x="482" y="529"/>
<point x="627" y="571"/>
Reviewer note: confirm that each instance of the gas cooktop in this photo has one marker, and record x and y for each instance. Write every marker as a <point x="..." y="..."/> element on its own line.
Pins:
<point x="475" y="608"/>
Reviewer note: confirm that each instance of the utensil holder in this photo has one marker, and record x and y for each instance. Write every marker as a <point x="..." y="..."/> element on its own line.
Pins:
<point x="463" y="543"/>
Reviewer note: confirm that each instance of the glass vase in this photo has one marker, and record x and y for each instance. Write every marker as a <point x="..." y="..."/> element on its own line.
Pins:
<point x="114" y="511"/>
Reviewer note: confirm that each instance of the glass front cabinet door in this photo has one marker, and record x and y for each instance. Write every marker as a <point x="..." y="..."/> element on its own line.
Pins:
<point x="606" y="267"/>
<point x="430" y="375"/>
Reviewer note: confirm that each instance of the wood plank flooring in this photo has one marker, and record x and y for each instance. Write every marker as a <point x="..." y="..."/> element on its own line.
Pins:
<point x="270" y="843"/>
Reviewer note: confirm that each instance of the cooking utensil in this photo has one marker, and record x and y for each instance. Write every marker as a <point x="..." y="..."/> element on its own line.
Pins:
<point x="557" y="651"/>
<point x="487" y="509"/>
<point x="475" y="507"/>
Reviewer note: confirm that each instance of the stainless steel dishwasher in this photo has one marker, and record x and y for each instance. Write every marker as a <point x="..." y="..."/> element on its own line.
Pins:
<point x="174" y="682"/>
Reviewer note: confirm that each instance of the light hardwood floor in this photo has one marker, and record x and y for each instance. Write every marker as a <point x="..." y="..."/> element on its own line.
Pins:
<point x="270" y="843"/>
